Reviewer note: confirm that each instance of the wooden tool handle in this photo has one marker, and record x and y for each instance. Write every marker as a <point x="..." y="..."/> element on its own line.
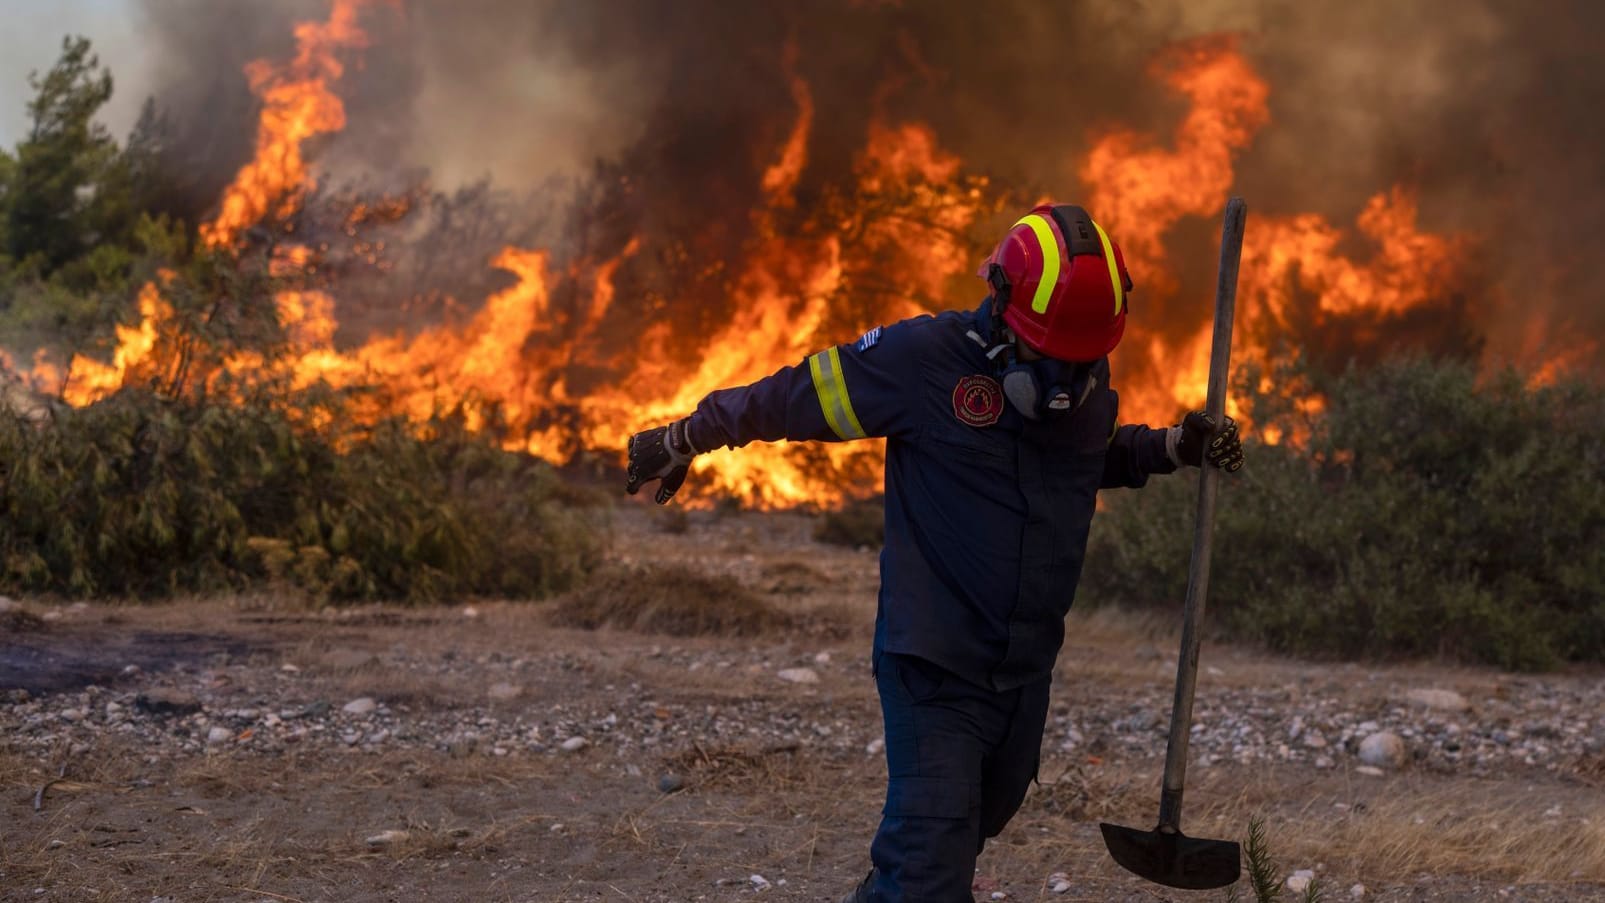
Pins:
<point x="1181" y="712"/>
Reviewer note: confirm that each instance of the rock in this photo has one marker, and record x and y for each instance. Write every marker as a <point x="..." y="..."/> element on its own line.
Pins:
<point x="218" y="735"/>
<point x="8" y="604"/>
<point x="1140" y="722"/>
<point x="1444" y="700"/>
<point x="166" y="701"/>
<point x="575" y="744"/>
<point x="1382" y="749"/>
<point x="387" y="838"/>
<point x="1300" y="880"/>
<point x="822" y="658"/>
<point x="362" y="705"/>
<point x="669" y="782"/>
<point x="504" y="692"/>
<point x="347" y="659"/>
<point x="470" y="612"/>
<point x="1370" y="770"/>
<point x="759" y="882"/>
<point x="799" y="675"/>
<point x="288" y="668"/>
<point x="1357" y="891"/>
<point x="875" y="746"/>
<point x="1058" y="883"/>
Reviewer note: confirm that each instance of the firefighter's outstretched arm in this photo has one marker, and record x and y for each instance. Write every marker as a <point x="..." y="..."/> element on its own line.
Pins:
<point x="858" y="390"/>
<point x="662" y="453"/>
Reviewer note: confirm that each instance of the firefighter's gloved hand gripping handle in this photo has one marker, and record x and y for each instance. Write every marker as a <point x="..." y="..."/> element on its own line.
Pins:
<point x="663" y="453"/>
<point x="1165" y="855"/>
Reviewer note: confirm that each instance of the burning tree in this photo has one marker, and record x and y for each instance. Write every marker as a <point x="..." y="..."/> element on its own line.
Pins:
<point x="349" y="323"/>
<point x="631" y="324"/>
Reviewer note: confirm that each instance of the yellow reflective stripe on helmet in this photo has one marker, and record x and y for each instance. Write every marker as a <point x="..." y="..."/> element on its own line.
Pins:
<point x="1114" y="268"/>
<point x="1050" y="259"/>
<point x="831" y="387"/>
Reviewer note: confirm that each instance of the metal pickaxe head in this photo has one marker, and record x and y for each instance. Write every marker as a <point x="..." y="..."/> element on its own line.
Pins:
<point x="1172" y="858"/>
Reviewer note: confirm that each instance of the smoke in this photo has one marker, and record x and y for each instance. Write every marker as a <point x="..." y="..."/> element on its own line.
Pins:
<point x="31" y="41"/>
<point x="662" y="116"/>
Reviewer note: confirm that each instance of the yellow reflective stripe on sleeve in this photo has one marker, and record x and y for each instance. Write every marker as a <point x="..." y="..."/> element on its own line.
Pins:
<point x="831" y="387"/>
<point x="1050" y="259"/>
<point x="1114" y="269"/>
<point x="854" y="428"/>
<point x="1113" y="428"/>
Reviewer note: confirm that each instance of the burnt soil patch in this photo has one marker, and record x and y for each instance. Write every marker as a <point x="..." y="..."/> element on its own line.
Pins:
<point x="53" y="659"/>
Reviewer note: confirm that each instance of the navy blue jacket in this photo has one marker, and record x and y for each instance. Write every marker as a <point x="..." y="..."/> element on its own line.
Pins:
<point x="986" y="512"/>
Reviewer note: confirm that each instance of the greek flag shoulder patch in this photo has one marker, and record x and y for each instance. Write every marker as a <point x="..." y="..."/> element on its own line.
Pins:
<point x="868" y="339"/>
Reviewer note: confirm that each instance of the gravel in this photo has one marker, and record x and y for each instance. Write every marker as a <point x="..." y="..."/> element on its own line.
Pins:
<point x="1537" y="723"/>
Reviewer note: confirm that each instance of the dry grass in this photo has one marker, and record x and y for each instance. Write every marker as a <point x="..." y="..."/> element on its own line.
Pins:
<point x="19" y="620"/>
<point x="1454" y="829"/>
<point x="290" y="826"/>
<point x="1380" y="831"/>
<point x="234" y="826"/>
<point x="858" y="524"/>
<point x="669" y="599"/>
<point x="742" y="767"/>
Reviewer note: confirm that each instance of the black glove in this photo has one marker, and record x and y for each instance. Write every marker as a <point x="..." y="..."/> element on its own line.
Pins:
<point x="1196" y="433"/>
<point x="661" y="453"/>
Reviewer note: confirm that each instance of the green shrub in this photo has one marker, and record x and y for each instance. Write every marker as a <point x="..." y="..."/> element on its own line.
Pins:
<point x="1264" y="875"/>
<point x="859" y="523"/>
<point x="139" y="496"/>
<point x="1429" y="513"/>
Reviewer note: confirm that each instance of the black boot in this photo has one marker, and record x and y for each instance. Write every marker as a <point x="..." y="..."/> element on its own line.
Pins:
<point x="860" y="894"/>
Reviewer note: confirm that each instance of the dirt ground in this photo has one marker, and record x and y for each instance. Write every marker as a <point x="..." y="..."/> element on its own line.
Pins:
<point x="258" y="749"/>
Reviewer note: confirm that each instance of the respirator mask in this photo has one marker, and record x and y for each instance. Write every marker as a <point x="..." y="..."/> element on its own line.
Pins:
<point x="1039" y="389"/>
<point x="1044" y="388"/>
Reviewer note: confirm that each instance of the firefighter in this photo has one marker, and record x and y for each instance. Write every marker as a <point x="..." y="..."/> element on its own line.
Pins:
<point x="1001" y="428"/>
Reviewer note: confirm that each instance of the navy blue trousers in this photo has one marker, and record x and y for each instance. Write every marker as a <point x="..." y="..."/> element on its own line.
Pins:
<point x="959" y="759"/>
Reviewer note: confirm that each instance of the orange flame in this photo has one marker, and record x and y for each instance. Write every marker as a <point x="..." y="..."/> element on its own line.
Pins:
<point x="901" y="249"/>
<point x="782" y="175"/>
<point x="297" y="104"/>
<point x="136" y="346"/>
<point x="1144" y="189"/>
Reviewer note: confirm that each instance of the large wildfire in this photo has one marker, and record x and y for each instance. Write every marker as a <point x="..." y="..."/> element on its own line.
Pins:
<point x="902" y="239"/>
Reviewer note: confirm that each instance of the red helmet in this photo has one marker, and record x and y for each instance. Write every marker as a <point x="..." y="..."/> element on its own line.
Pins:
<point x="1061" y="282"/>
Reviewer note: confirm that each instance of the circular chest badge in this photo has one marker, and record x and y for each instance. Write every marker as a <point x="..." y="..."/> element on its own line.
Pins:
<point x="978" y="400"/>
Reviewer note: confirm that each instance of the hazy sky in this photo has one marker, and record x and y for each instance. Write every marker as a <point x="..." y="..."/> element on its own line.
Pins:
<point x="30" y="39"/>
